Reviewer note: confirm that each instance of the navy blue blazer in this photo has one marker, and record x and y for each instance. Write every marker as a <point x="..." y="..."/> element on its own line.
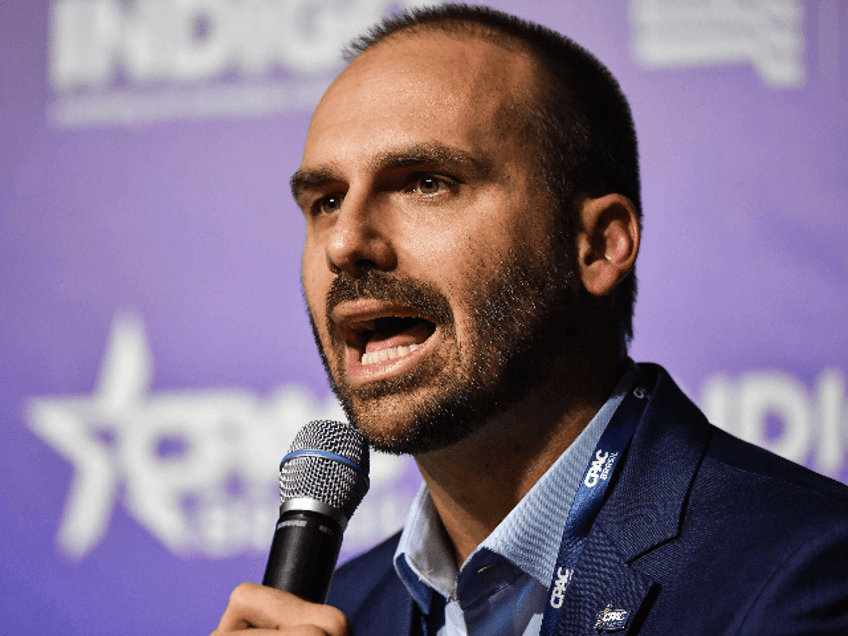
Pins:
<point x="701" y="534"/>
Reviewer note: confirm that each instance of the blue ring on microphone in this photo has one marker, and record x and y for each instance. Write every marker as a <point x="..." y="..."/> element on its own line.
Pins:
<point x="326" y="455"/>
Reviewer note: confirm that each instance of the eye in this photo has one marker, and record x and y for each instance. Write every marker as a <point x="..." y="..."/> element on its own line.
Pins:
<point x="329" y="204"/>
<point x="428" y="184"/>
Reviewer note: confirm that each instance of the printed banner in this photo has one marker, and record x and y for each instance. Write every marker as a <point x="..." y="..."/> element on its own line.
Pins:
<point x="155" y="352"/>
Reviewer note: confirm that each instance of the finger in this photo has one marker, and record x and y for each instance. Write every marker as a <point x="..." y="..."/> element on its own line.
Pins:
<point x="258" y="606"/>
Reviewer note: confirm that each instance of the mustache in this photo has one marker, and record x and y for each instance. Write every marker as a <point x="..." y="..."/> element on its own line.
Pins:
<point x="401" y="290"/>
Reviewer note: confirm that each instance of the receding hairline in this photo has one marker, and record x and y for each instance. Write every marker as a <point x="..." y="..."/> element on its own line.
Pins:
<point x="452" y="27"/>
<point x="459" y="29"/>
<point x="538" y="82"/>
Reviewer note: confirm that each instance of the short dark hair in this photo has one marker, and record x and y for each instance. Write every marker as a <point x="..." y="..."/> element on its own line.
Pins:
<point x="583" y="125"/>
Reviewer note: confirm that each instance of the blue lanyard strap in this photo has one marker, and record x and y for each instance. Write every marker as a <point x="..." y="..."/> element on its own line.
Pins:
<point x="589" y="497"/>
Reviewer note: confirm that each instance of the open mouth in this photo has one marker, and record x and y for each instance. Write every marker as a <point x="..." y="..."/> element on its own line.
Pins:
<point x="386" y="338"/>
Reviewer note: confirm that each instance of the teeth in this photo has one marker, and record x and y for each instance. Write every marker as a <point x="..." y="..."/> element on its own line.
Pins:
<point x="387" y="354"/>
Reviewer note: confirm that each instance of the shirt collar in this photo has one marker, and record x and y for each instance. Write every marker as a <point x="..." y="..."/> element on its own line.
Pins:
<point x="529" y="536"/>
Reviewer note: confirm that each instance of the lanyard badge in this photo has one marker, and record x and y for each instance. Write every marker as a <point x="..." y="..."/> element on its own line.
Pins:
<point x="587" y="503"/>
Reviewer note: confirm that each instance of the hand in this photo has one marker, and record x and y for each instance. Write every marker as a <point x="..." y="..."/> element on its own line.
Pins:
<point x="255" y="606"/>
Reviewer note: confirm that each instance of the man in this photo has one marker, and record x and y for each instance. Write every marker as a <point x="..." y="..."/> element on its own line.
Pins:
<point x="471" y="195"/>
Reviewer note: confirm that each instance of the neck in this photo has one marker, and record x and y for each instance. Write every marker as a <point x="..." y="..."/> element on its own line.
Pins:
<point x="476" y="482"/>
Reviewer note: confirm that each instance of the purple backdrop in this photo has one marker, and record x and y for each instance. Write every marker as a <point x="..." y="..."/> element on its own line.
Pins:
<point x="155" y="355"/>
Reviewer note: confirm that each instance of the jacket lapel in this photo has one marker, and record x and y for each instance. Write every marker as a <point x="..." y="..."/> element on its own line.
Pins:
<point x="602" y="578"/>
<point x="389" y="609"/>
<point x="643" y="510"/>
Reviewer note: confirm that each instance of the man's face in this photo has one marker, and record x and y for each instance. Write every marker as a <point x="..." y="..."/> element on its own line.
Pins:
<point x="435" y="290"/>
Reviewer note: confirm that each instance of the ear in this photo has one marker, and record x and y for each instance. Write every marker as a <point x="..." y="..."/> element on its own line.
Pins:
<point x="607" y="242"/>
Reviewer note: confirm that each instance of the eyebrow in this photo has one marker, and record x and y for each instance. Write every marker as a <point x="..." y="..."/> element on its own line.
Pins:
<point x="313" y="179"/>
<point x="430" y="154"/>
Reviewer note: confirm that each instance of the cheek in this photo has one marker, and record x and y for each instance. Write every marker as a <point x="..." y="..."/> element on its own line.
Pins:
<point x="468" y="273"/>
<point x="317" y="311"/>
<point x="314" y="288"/>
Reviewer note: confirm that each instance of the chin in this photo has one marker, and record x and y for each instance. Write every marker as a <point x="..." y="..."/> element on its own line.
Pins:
<point x="424" y="419"/>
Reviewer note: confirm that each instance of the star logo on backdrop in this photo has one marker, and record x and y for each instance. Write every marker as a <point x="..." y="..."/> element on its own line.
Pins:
<point x="197" y="469"/>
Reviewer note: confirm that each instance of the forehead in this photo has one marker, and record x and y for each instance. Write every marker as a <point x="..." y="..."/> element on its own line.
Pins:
<point x="413" y="87"/>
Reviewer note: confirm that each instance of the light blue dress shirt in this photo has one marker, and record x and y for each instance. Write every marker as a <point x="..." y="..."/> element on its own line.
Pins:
<point x="501" y="588"/>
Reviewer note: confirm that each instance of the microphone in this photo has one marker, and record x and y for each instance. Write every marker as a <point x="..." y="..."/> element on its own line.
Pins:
<point x="323" y="478"/>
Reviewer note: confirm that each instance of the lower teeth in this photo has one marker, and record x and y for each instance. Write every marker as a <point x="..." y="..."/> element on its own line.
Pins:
<point x="387" y="354"/>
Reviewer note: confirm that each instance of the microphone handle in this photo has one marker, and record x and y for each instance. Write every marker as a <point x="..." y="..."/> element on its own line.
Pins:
<point x="303" y="554"/>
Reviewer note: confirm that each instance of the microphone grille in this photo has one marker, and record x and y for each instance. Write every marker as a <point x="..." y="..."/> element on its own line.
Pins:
<point x="310" y="469"/>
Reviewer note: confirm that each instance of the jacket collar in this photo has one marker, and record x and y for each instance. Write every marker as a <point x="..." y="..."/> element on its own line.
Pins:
<point x="645" y="508"/>
<point x="643" y="511"/>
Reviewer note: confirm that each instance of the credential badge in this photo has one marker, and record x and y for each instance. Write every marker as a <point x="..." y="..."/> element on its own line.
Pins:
<point x="611" y="619"/>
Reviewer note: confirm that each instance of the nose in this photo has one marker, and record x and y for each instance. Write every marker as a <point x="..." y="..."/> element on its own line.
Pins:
<point x="360" y="238"/>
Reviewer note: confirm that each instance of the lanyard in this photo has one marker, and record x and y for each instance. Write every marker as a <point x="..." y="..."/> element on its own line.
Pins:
<point x="589" y="497"/>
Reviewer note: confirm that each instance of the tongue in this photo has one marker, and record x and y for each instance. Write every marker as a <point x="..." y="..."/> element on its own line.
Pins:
<point x="415" y="332"/>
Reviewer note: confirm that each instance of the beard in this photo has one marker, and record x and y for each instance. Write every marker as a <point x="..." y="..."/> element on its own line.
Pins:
<point x="522" y="318"/>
